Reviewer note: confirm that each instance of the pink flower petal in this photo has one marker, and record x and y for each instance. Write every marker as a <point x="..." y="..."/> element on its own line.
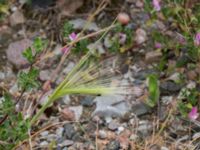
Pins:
<point x="156" y="5"/>
<point x="158" y="45"/>
<point x="197" y="39"/>
<point x="193" y="114"/>
<point x="73" y="36"/>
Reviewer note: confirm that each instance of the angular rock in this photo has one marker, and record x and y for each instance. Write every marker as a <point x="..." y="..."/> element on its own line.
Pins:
<point x="44" y="143"/>
<point x="68" y="114"/>
<point x="141" y="109"/>
<point x="14" y="52"/>
<point x="69" y="67"/>
<point x="113" y="145"/>
<point x="66" y="100"/>
<point x="17" y="18"/>
<point x="153" y="56"/>
<point x="142" y="75"/>
<point x="59" y="131"/>
<point x="5" y="35"/>
<point x="102" y="134"/>
<point x="111" y="106"/>
<point x="169" y="87"/>
<point x="66" y="143"/>
<point x="80" y="23"/>
<point x="192" y="75"/>
<point x="78" y="110"/>
<point x="69" y="131"/>
<point x="44" y="75"/>
<point x="87" y="101"/>
<point x="140" y="36"/>
<point x="113" y="125"/>
<point x="145" y="128"/>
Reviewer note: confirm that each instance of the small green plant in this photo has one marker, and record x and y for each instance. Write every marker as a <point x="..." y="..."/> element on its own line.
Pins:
<point x="153" y="88"/>
<point x="4" y="9"/>
<point x="67" y="29"/>
<point x="188" y="99"/>
<point x="13" y="126"/>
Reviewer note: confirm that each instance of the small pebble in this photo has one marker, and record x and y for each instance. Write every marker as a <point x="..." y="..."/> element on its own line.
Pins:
<point x="120" y="129"/>
<point x="113" y="125"/>
<point x="44" y="143"/>
<point x="102" y="134"/>
<point x="123" y="18"/>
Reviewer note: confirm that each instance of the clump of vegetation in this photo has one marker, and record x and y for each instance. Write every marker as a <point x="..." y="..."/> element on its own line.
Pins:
<point x="14" y="126"/>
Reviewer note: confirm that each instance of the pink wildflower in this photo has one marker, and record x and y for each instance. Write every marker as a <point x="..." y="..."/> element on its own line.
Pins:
<point x="156" y="5"/>
<point x="197" y="39"/>
<point x="73" y="36"/>
<point x="158" y="45"/>
<point x="193" y="114"/>
<point x="182" y="40"/>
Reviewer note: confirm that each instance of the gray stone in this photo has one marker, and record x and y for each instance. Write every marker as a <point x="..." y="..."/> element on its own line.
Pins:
<point x="140" y="36"/>
<point x="113" y="125"/>
<point x="133" y="137"/>
<point x="69" y="131"/>
<point x="141" y="109"/>
<point x="164" y="148"/>
<point x="102" y="134"/>
<point x="87" y="101"/>
<point x="120" y="129"/>
<point x="44" y="143"/>
<point x="142" y="74"/>
<point x="17" y="18"/>
<point x="153" y="56"/>
<point x="14" y="52"/>
<point x="44" y="133"/>
<point x="66" y="100"/>
<point x="52" y="137"/>
<point x="196" y="136"/>
<point x="77" y="137"/>
<point x="2" y="76"/>
<point x="80" y="24"/>
<point x="66" y="143"/>
<point x="166" y="99"/>
<point x="14" y="89"/>
<point x="45" y="98"/>
<point x="107" y="41"/>
<point x="111" y="106"/>
<point x="44" y="75"/>
<point x="113" y="145"/>
<point x="96" y="46"/>
<point x="154" y="147"/>
<point x="69" y="67"/>
<point x="78" y="110"/>
<point x="175" y="77"/>
<point x="169" y="87"/>
<point x="145" y="128"/>
<point x="59" y="131"/>
<point x="5" y="36"/>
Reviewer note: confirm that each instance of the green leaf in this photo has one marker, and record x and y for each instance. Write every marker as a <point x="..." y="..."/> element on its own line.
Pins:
<point x="28" y="54"/>
<point x="81" y="46"/>
<point x="28" y="80"/>
<point x="67" y="29"/>
<point x="154" y="91"/>
<point x="39" y="45"/>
